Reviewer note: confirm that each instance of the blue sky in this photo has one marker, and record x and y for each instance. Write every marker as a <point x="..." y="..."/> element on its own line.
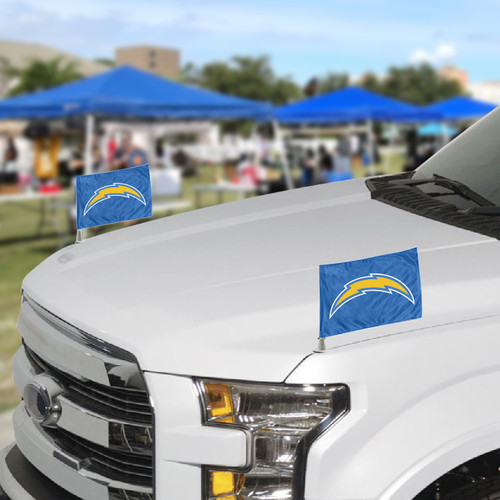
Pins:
<point x="303" y="38"/>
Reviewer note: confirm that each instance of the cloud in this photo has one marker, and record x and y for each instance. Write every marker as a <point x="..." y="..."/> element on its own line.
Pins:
<point x="304" y="39"/>
<point x="443" y="53"/>
<point x="198" y="26"/>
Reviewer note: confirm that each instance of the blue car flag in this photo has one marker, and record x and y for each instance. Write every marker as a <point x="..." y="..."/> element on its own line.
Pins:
<point x="113" y="197"/>
<point x="369" y="292"/>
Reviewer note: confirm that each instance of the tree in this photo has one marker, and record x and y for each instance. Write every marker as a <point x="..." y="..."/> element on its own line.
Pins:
<point x="285" y="90"/>
<point x="219" y="76"/>
<point x="311" y="88"/>
<point x="190" y="73"/>
<point x="105" y="61"/>
<point x="418" y="85"/>
<point x="369" y="81"/>
<point x="254" y="78"/>
<point x="332" y="82"/>
<point x="39" y="74"/>
<point x="249" y="77"/>
<point x="7" y="72"/>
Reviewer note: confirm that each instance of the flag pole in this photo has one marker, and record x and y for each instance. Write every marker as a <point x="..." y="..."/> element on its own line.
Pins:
<point x="79" y="236"/>
<point x="321" y="345"/>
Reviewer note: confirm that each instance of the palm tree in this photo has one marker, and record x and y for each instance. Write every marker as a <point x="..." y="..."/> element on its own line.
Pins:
<point x="39" y="74"/>
<point x="7" y="72"/>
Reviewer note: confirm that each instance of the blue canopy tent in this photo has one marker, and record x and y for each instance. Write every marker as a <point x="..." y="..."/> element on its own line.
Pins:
<point x="349" y="105"/>
<point x="461" y="108"/>
<point x="352" y="104"/>
<point x="128" y="92"/>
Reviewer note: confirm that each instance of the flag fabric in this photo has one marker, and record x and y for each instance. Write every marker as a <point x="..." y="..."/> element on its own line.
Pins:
<point x="369" y="292"/>
<point x="114" y="196"/>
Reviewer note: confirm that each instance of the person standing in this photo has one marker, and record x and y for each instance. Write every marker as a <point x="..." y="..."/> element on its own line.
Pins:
<point x="128" y="155"/>
<point x="343" y="163"/>
<point x="10" y="156"/>
<point x="76" y="165"/>
<point x="308" y="165"/>
<point x="325" y="164"/>
<point x="111" y="146"/>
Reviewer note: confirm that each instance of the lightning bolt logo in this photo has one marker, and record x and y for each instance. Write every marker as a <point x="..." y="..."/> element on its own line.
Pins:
<point x="115" y="189"/>
<point x="373" y="283"/>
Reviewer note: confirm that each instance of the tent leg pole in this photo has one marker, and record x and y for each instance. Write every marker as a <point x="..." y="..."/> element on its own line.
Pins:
<point x="81" y="234"/>
<point x="151" y="146"/>
<point x="392" y="141"/>
<point x="371" y="156"/>
<point x="89" y="134"/>
<point x="386" y="159"/>
<point x="255" y="141"/>
<point x="286" y="167"/>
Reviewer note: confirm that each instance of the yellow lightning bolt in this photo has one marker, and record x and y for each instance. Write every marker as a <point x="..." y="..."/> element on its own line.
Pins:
<point x="116" y="189"/>
<point x="372" y="283"/>
<point x="123" y="190"/>
<point x="379" y="282"/>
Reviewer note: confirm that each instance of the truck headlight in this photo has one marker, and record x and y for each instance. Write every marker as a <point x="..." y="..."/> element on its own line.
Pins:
<point x="283" y="420"/>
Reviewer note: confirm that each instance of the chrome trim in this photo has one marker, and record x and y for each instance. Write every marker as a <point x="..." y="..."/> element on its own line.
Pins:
<point x="60" y="466"/>
<point x="80" y="336"/>
<point x="73" y="418"/>
<point x="341" y="399"/>
<point x="40" y="452"/>
<point x="132" y="404"/>
<point x="74" y="352"/>
<point x="83" y="423"/>
<point x="103" y="432"/>
<point x="43" y="388"/>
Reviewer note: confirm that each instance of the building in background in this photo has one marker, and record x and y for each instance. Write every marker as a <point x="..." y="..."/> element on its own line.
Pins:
<point x="455" y="73"/>
<point x="160" y="60"/>
<point x="19" y="54"/>
<point x="488" y="91"/>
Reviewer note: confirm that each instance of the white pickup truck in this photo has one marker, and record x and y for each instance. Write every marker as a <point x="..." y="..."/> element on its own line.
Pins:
<point x="179" y="359"/>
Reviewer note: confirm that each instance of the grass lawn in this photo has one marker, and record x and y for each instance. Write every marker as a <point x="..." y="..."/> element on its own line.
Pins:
<point x="21" y="250"/>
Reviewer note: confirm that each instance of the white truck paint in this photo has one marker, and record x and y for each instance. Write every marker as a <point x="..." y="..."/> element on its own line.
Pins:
<point x="231" y="293"/>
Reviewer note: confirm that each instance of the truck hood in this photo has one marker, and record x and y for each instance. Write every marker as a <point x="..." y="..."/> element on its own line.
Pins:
<point x="231" y="291"/>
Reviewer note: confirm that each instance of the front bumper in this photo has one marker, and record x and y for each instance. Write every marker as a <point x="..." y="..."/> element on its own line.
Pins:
<point x="29" y="480"/>
<point x="52" y="461"/>
<point x="19" y="480"/>
<point x="100" y="445"/>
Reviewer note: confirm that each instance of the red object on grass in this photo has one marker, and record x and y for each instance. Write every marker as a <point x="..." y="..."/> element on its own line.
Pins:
<point x="50" y="189"/>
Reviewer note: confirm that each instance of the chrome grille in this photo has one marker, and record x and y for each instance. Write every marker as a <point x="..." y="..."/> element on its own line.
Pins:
<point x="127" y="404"/>
<point x="105" y="431"/>
<point x="114" y="464"/>
<point x="115" y="494"/>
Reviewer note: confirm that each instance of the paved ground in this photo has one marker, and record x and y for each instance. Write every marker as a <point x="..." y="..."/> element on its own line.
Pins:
<point x="6" y="431"/>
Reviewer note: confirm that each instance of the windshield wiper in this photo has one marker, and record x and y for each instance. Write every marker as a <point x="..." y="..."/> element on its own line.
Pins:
<point x="486" y="210"/>
<point x="453" y="185"/>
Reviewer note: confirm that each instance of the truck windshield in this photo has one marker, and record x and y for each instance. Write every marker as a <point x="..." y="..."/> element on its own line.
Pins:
<point x="473" y="159"/>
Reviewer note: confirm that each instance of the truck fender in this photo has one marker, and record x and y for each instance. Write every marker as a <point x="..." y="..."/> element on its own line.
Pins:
<point x="369" y="455"/>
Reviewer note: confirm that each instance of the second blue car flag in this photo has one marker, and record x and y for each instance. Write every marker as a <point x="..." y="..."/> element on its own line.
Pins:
<point x="369" y="292"/>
